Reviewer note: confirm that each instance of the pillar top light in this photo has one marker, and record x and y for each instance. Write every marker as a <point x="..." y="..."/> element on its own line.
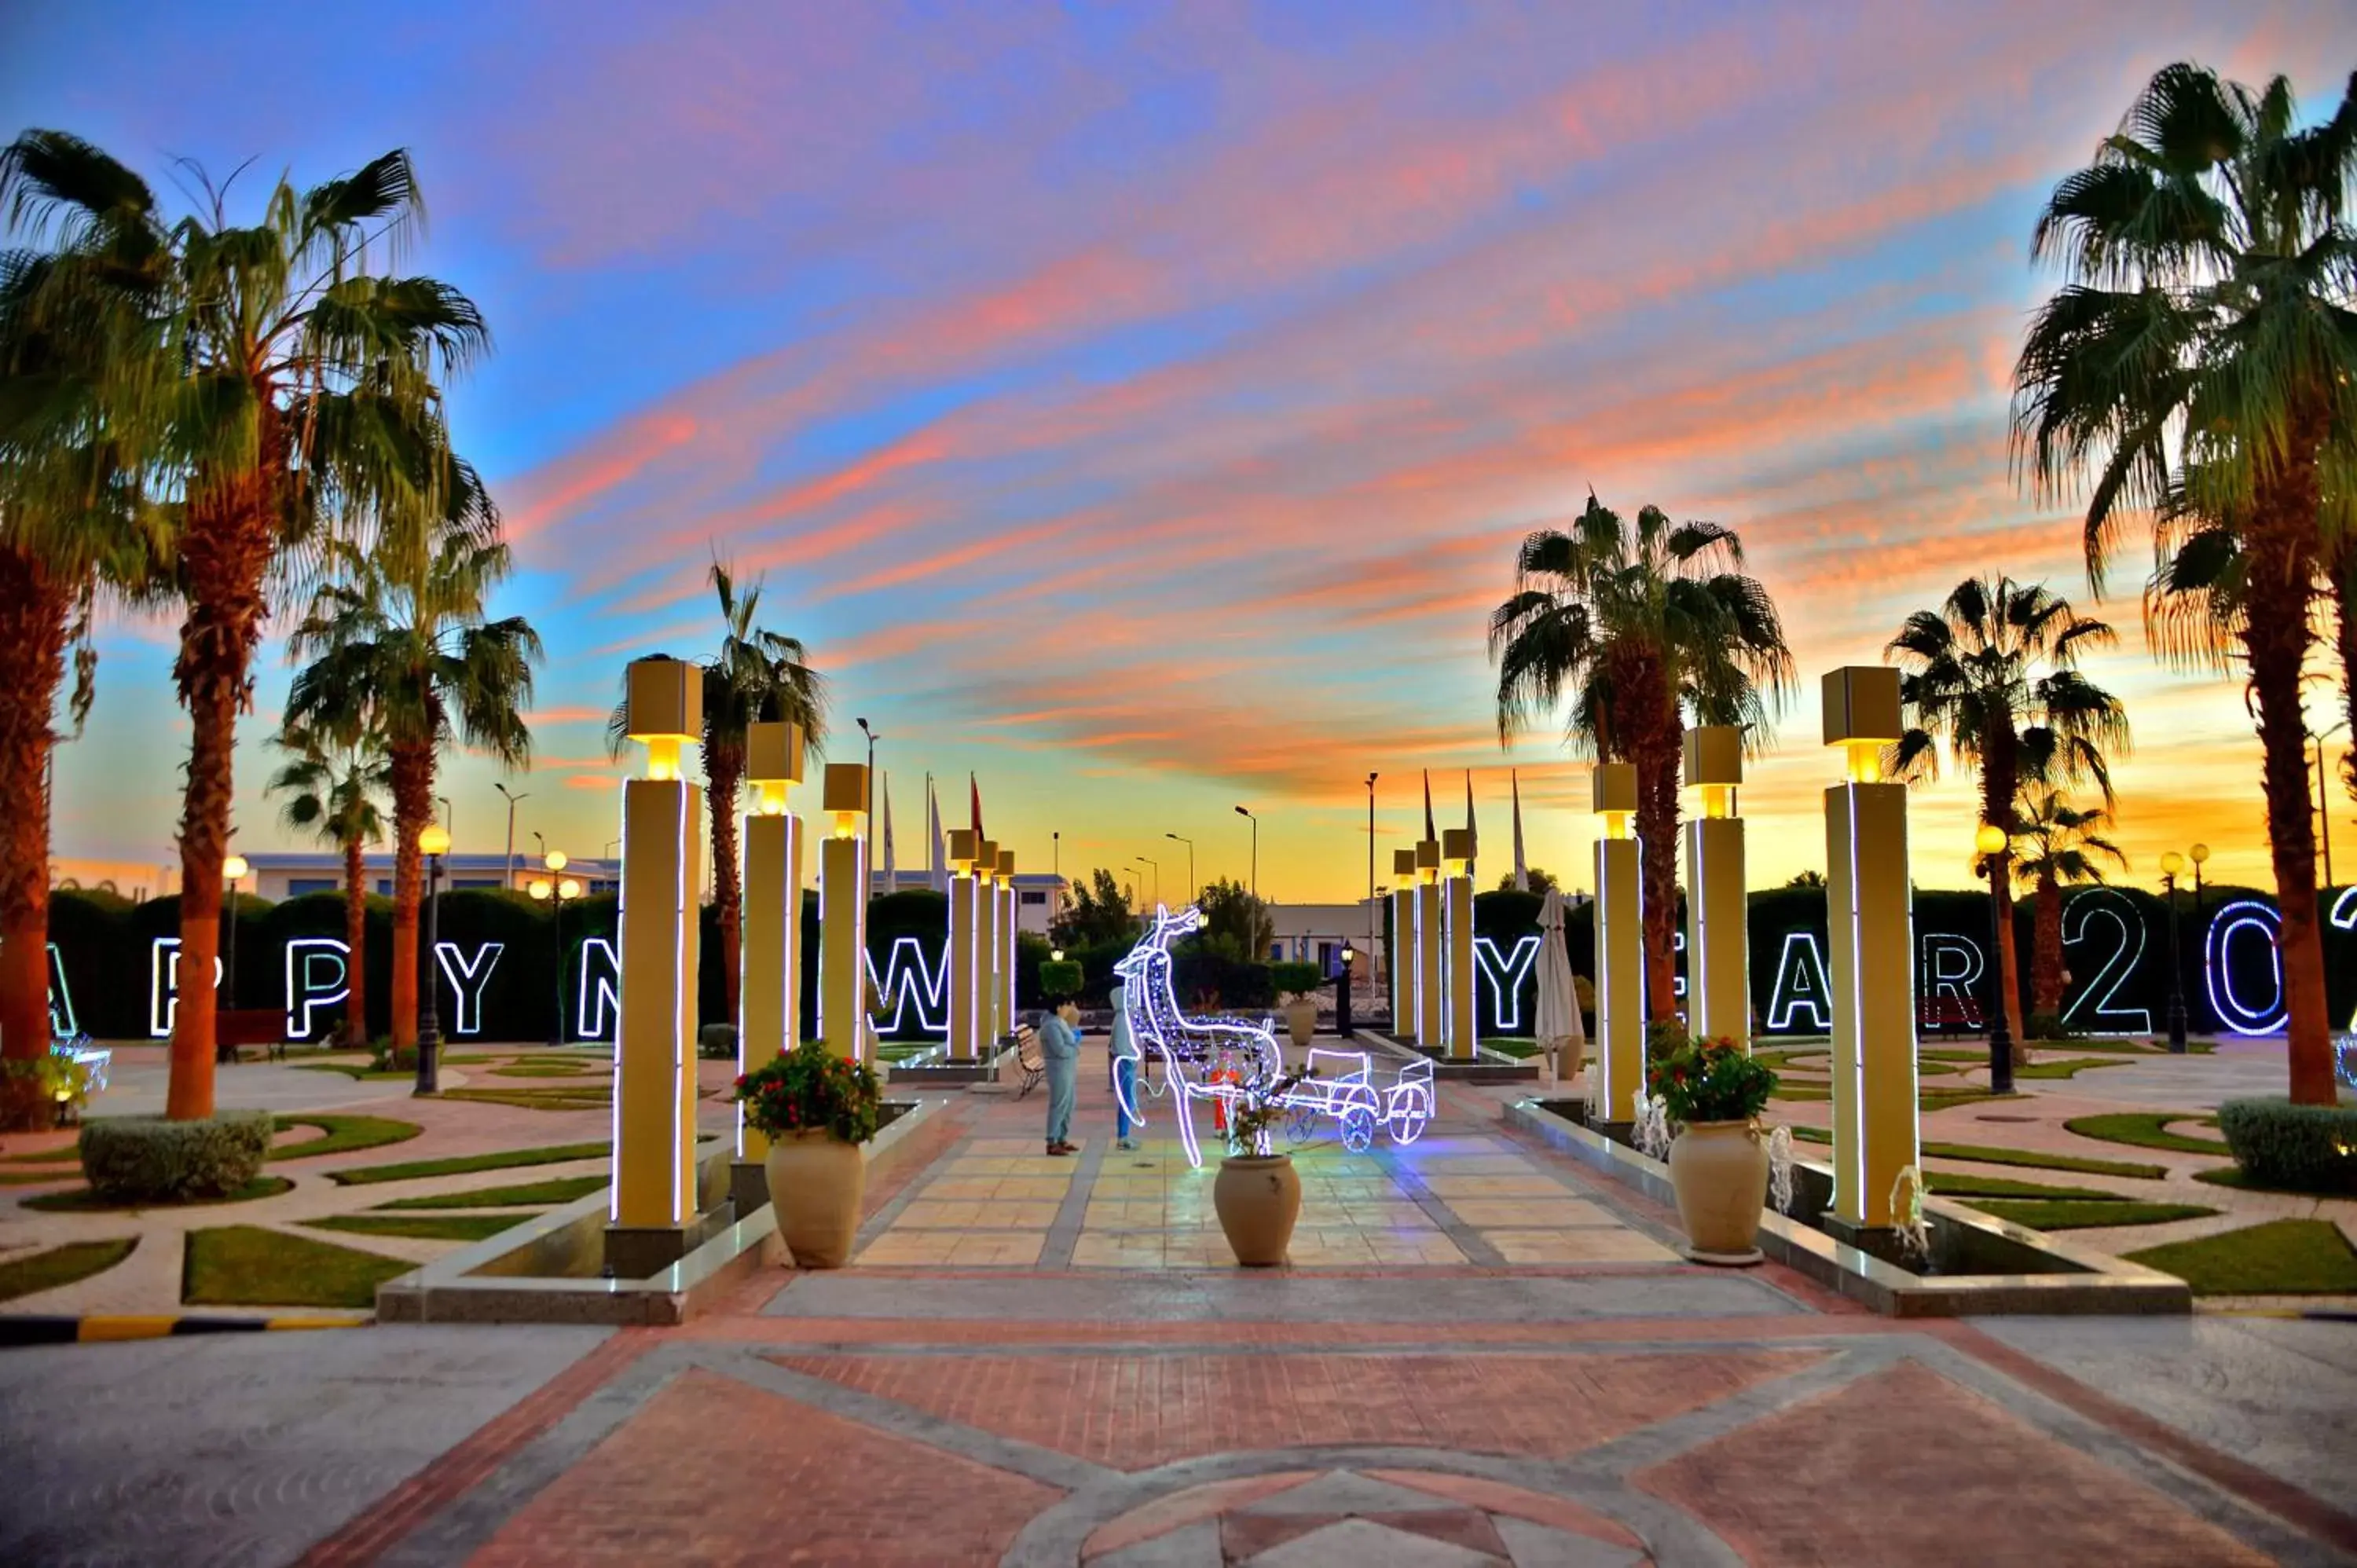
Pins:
<point x="1612" y="795"/>
<point x="846" y="788"/>
<point x="773" y="752"/>
<point x="665" y="699"/>
<point x="1862" y="716"/>
<point x="1005" y="865"/>
<point x="1404" y="863"/>
<point x="962" y="850"/>
<point x="1456" y="849"/>
<point x="1428" y="859"/>
<point x="1714" y="755"/>
<point x="985" y="858"/>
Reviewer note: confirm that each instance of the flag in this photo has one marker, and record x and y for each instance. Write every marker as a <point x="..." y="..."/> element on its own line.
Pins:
<point x="1472" y="834"/>
<point x="884" y="788"/>
<point x="1430" y="834"/>
<point x="974" y="821"/>
<point x="1521" y="872"/>
<point x="938" y="875"/>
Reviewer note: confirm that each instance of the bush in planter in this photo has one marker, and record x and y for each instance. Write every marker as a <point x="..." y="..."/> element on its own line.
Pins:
<point x="1709" y="1080"/>
<point x="716" y="1042"/>
<point x="147" y="1159"/>
<point x="1294" y="979"/>
<point x="2310" y="1148"/>
<point x="809" y="1088"/>
<point x="1060" y="979"/>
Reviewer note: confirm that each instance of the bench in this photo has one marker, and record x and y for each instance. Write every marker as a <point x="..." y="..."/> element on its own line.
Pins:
<point x="1030" y="1059"/>
<point x="235" y="1027"/>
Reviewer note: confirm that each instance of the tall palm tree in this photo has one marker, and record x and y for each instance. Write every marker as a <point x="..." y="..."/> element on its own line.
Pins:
<point x="1640" y="626"/>
<point x="758" y="674"/>
<point x="1994" y="674"/>
<point x="2206" y="321"/>
<point x="284" y="380"/>
<point x="332" y="786"/>
<point x="2060" y="844"/>
<point x="399" y="634"/>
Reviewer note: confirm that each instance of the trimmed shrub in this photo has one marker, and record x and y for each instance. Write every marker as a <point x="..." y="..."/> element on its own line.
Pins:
<point x="147" y="1159"/>
<point x="2309" y="1148"/>
<point x="716" y="1042"/>
<point x="1060" y="980"/>
<point x="1294" y="979"/>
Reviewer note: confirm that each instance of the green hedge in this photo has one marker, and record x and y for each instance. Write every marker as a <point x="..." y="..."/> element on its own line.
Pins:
<point x="2308" y="1148"/>
<point x="145" y="1159"/>
<point x="1058" y="980"/>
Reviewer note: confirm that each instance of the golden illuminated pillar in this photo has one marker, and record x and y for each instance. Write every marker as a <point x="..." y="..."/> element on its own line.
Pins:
<point x="842" y="913"/>
<point x="1620" y="1075"/>
<point x="768" y="994"/>
<point x="1457" y="975"/>
<point x="1402" y="952"/>
<point x="1870" y="925"/>
<point x="1718" y="945"/>
<point x="1428" y="945"/>
<point x="1005" y="928"/>
<point x="985" y="946"/>
<point x="965" y="958"/>
<point x="654" y="1196"/>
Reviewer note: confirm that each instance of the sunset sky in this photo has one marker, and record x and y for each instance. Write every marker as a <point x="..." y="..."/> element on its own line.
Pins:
<point x="1138" y="406"/>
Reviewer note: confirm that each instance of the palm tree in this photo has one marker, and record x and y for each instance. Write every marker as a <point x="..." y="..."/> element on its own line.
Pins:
<point x="1992" y="672"/>
<point x="2202" y="348"/>
<point x="283" y="381"/>
<point x="1641" y="626"/>
<point x="399" y="635"/>
<point x="2061" y="844"/>
<point x="757" y="675"/>
<point x="332" y="786"/>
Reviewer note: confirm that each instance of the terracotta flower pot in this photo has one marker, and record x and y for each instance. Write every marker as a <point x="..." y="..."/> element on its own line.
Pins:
<point x="1301" y="1020"/>
<point x="1719" y="1170"/>
<point x="1258" y="1198"/>
<point x="815" y="1183"/>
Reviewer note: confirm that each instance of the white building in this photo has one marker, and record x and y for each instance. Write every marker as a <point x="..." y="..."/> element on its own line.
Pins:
<point x="289" y="874"/>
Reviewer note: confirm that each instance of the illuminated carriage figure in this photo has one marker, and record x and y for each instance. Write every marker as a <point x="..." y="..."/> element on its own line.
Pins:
<point x="1223" y="1059"/>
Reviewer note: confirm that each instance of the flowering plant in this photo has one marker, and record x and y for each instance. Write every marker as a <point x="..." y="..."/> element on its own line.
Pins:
<point x="808" y="1089"/>
<point x="1259" y="1106"/>
<point x="1710" y="1080"/>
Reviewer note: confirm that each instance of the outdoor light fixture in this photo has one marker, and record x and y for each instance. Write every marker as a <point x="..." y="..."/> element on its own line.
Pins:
<point x="1003" y="954"/>
<point x="554" y="860"/>
<point x="1870" y="906"/>
<point x="1407" y="967"/>
<point x="1620" y="943"/>
<point x="1990" y="840"/>
<point x="1718" y="944"/>
<point x="1429" y="939"/>
<point x="842" y="913"/>
<point x="1458" y="1030"/>
<point x="2200" y="856"/>
<point x="769" y="987"/>
<point x="234" y="867"/>
<point x="965" y="966"/>
<point x="434" y="843"/>
<point x="654" y="1193"/>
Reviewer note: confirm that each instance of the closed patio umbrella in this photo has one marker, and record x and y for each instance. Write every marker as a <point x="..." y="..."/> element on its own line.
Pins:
<point x="1558" y="1022"/>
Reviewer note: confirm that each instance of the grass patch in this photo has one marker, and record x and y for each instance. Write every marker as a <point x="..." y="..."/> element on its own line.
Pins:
<point x="62" y="1266"/>
<point x="427" y="1227"/>
<point x="527" y="1069"/>
<point x="459" y="1165"/>
<point x="246" y="1266"/>
<point x="1803" y="1091"/>
<point x="1510" y="1046"/>
<point x="1945" y="1186"/>
<point x="1812" y="1134"/>
<point x="2051" y="1216"/>
<point x="593" y="1099"/>
<point x="342" y="1135"/>
<point x="1975" y="1059"/>
<point x="556" y="1189"/>
<point x="82" y="1200"/>
<point x="2235" y="1176"/>
<point x="2282" y="1257"/>
<point x="1949" y="1099"/>
<point x="1990" y="1155"/>
<point x="2069" y="1067"/>
<point x="2146" y="1130"/>
<point x="35" y="1178"/>
<point x="44" y="1156"/>
<point x="355" y="1070"/>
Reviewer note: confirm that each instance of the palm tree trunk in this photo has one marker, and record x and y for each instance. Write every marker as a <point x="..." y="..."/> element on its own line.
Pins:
<point x="2275" y="637"/>
<point x="224" y="553"/>
<point x="412" y="808"/>
<point x="356" y="1033"/>
<point x="1999" y="780"/>
<point x="1657" y="831"/>
<point x="724" y="772"/>
<point x="34" y="609"/>
<point x="2046" y="964"/>
<point x="2344" y="599"/>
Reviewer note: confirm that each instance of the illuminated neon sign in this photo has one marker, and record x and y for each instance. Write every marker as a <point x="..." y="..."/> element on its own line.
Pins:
<point x="2344" y="917"/>
<point x="2242" y="917"/>
<point x="600" y="1003"/>
<point x="1953" y="967"/>
<point x="909" y="983"/>
<point x="468" y="979"/>
<point x="1801" y="987"/>
<point x="2087" y="915"/>
<point x="62" y="1026"/>
<point x="164" y="985"/>
<point x="1502" y="974"/>
<point x="318" y="974"/>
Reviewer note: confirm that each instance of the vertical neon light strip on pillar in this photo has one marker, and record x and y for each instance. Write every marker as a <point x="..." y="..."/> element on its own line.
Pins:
<point x="1005" y="928"/>
<point x="1869" y="908"/>
<point x="1458" y="972"/>
<point x="1402" y="956"/>
<point x="965" y="1029"/>
<point x="985" y="945"/>
<point x="654" y="1094"/>
<point x="842" y="913"/>
<point x="1429" y="991"/>
<point x="769" y="991"/>
<point x="1718" y="945"/>
<point x="1620" y="945"/>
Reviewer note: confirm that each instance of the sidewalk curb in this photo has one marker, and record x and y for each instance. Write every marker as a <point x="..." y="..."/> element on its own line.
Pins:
<point x="30" y="1330"/>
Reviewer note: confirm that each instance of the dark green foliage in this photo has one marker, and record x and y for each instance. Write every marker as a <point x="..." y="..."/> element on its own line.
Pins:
<point x="1710" y="1082"/>
<point x="1294" y="979"/>
<point x="716" y="1042"/>
<point x="1059" y="982"/>
<point x="1100" y="914"/>
<point x="147" y="1159"/>
<point x="810" y="1088"/>
<point x="2305" y="1148"/>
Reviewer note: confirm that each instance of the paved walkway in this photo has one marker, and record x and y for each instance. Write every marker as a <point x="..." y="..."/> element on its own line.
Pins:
<point x="1093" y="1385"/>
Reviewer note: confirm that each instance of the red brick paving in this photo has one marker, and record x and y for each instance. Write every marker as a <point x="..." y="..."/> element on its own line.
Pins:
<point x="1134" y="1412"/>
<point x="1905" y="1466"/>
<point x="1495" y="1496"/>
<point x="807" y="1487"/>
<point x="1166" y="1514"/>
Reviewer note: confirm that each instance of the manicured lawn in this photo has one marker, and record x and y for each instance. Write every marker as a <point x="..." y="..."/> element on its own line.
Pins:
<point x="1946" y="1054"/>
<point x="431" y="1227"/>
<point x="556" y="1189"/>
<point x="36" y="1178"/>
<point x="1789" y="1090"/>
<point x="596" y="1096"/>
<point x="356" y="1069"/>
<point x="548" y="1070"/>
<point x="459" y="1164"/>
<point x="2282" y="1257"/>
<point x="2147" y="1130"/>
<point x="246" y="1266"/>
<point x="1946" y="1185"/>
<point x="2233" y="1177"/>
<point x="1812" y="1134"/>
<point x="342" y="1135"/>
<point x="2067" y="1066"/>
<point x="1937" y="1099"/>
<point x="81" y="1200"/>
<point x="44" y="1156"/>
<point x="2052" y="1215"/>
<point x="62" y="1266"/>
<point x="1990" y="1155"/>
<point x="1520" y="1048"/>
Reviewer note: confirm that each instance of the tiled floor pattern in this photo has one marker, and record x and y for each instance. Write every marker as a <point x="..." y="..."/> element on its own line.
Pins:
<point x="1453" y="1199"/>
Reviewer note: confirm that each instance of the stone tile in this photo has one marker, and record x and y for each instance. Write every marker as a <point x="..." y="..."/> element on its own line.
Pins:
<point x="1547" y="1212"/>
<point x="1578" y="1246"/>
<point x="1452" y="1187"/>
<point x="1363" y="1543"/>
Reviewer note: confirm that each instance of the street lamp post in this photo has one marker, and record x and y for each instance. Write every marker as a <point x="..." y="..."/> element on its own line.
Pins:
<point x="556" y="889"/>
<point x="2200" y="856"/>
<point x="2171" y="864"/>
<point x="507" y="866"/>
<point x="1154" y="866"/>
<point x="1246" y="814"/>
<point x="434" y="839"/>
<point x="1991" y="840"/>
<point x="234" y="868"/>
<point x="1192" y="886"/>
<point x="1343" y="995"/>
<point x="1371" y="895"/>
